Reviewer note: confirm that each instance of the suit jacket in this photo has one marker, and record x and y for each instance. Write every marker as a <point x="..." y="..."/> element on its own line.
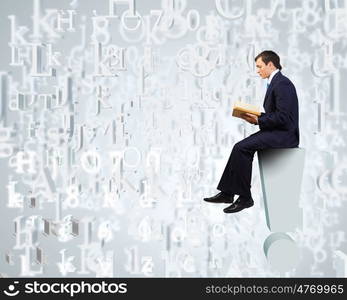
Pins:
<point x="281" y="118"/>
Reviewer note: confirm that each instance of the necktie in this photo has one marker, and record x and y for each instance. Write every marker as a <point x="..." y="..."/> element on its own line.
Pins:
<point x="267" y="85"/>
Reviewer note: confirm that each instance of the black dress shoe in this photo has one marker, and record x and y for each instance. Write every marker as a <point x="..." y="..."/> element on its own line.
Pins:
<point x="239" y="205"/>
<point x="220" y="198"/>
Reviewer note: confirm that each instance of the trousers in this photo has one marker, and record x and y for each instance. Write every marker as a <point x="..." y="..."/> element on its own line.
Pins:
<point x="237" y="175"/>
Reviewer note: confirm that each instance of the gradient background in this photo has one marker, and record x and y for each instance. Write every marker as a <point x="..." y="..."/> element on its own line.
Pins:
<point x="143" y="215"/>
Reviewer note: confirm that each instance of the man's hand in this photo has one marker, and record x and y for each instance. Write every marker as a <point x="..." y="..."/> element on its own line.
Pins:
<point x="250" y="118"/>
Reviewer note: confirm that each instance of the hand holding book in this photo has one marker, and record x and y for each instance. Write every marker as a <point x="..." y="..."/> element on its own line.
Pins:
<point x="250" y="118"/>
<point x="246" y="111"/>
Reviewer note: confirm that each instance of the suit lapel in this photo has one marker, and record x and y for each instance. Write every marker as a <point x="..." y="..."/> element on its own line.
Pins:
<point x="272" y="84"/>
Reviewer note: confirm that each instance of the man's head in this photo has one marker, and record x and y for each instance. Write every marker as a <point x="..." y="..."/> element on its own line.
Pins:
<point x="266" y="62"/>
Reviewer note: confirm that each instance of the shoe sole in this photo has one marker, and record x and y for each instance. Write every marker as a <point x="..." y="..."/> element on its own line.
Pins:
<point x="235" y="211"/>
<point x="230" y="202"/>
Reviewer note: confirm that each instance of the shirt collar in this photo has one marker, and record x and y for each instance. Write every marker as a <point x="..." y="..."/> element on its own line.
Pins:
<point x="272" y="76"/>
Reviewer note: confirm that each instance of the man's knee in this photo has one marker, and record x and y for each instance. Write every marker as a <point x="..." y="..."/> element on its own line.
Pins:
<point x="244" y="146"/>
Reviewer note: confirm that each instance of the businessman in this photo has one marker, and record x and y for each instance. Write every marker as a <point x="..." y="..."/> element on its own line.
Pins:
<point x="279" y="128"/>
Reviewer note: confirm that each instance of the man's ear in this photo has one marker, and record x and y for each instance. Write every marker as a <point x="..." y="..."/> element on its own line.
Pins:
<point x="270" y="64"/>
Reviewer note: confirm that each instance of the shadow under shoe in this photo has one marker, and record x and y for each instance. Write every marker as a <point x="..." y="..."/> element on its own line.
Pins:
<point x="220" y="198"/>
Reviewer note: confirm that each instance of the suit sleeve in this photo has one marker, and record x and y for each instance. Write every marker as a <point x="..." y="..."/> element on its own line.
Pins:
<point x="284" y="94"/>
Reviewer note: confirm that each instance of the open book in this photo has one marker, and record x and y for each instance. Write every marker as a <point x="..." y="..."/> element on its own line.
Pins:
<point x="241" y="107"/>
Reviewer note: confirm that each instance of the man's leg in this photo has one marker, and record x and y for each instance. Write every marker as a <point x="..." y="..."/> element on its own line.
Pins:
<point x="236" y="178"/>
<point x="237" y="175"/>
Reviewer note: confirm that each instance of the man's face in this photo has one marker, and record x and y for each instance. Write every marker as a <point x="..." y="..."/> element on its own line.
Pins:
<point x="264" y="70"/>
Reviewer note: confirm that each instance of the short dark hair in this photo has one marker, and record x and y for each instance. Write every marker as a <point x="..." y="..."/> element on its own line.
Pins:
<point x="268" y="56"/>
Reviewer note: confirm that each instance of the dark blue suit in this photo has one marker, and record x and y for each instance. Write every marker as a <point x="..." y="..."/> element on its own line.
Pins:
<point x="279" y="128"/>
